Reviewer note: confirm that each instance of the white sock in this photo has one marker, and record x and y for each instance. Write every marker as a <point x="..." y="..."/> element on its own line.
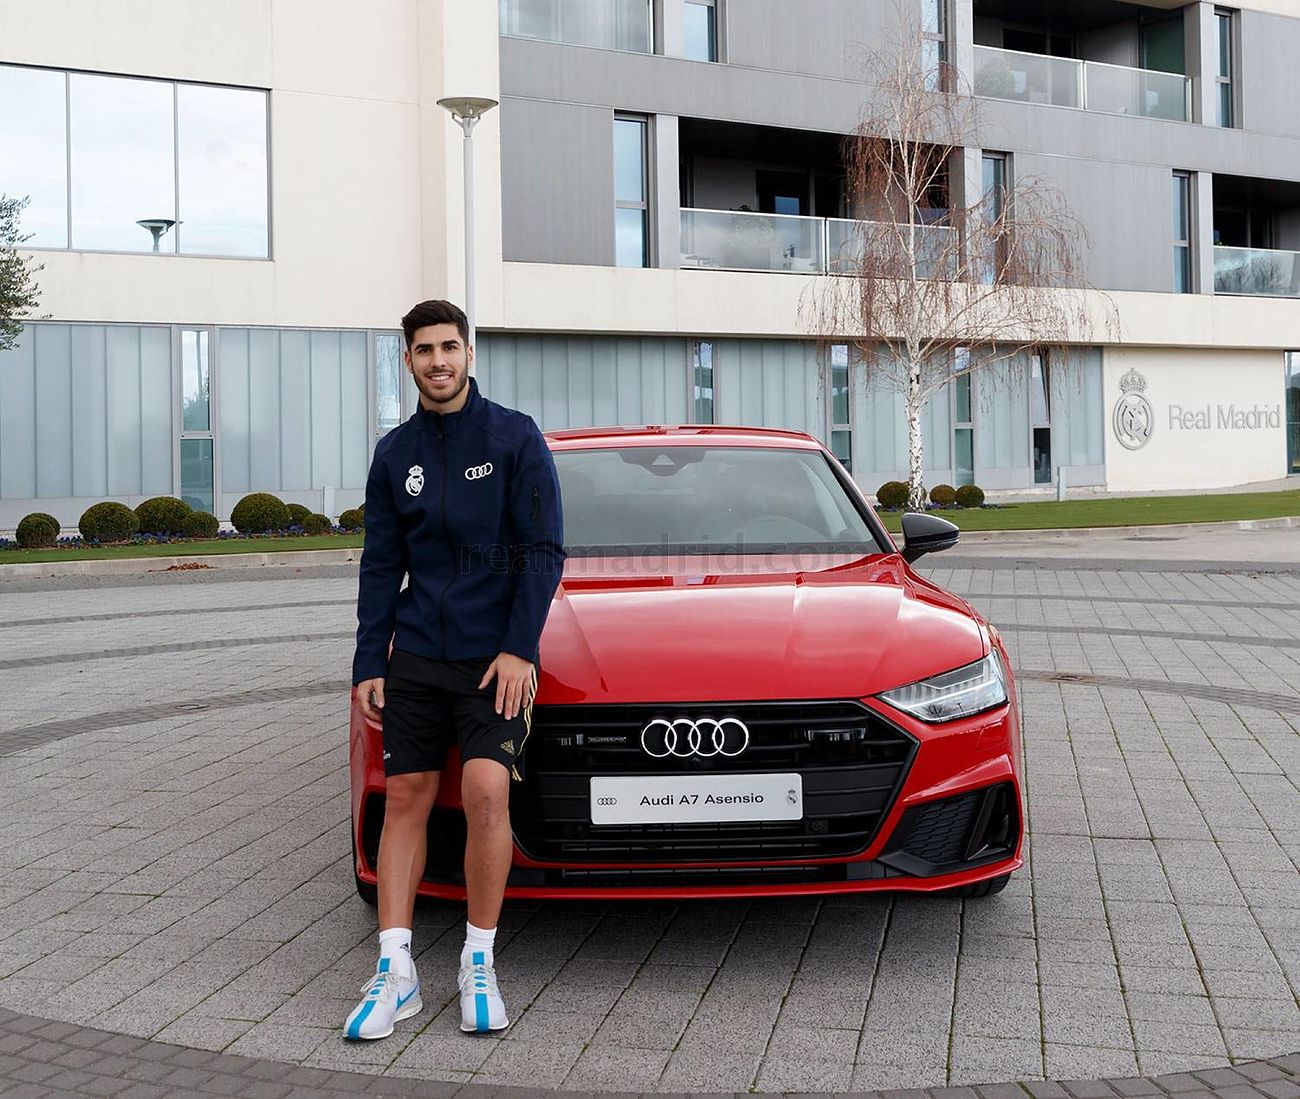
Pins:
<point x="395" y="945"/>
<point x="478" y="940"/>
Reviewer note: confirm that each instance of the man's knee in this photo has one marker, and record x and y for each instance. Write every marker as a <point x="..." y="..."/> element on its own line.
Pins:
<point x="485" y="792"/>
<point x="411" y="794"/>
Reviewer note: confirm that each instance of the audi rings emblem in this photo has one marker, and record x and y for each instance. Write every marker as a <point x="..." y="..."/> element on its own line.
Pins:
<point x="703" y="737"/>
<point x="477" y="473"/>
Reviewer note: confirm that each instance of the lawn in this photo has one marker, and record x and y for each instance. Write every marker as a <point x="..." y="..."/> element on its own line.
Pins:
<point x="1128" y="511"/>
<point x="185" y="549"/>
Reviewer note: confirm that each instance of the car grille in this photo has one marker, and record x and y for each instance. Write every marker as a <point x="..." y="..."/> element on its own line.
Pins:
<point x="957" y="832"/>
<point x="852" y="762"/>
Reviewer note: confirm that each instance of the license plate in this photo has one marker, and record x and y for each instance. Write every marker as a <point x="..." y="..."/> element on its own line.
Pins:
<point x="695" y="799"/>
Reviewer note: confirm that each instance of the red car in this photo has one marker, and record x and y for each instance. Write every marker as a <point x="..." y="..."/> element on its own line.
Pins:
<point x="744" y="689"/>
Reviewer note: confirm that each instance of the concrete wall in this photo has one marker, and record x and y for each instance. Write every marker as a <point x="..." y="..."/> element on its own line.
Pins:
<point x="1183" y="384"/>
<point x="819" y="37"/>
<point x="1269" y="47"/>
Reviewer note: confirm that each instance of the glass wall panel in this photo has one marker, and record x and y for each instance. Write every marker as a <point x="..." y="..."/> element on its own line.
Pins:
<point x="1293" y="412"/>
<point x="86" y="411"/>
<point x="629" y="237"/>
<point x="195" y="410"/>
<point x="196" y="474"/>
<point x="704" y="382"/>
<point x="629" y="160"/>
<point x="388" y="382"/>
<point x="607" y="24"/>
<point x="123" y="162"/>
<point x="222" y="164"/>
<point x="34" y="145"/>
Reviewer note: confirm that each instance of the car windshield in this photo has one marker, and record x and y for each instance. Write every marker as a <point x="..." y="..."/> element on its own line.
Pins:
<point x="707" y="499"/>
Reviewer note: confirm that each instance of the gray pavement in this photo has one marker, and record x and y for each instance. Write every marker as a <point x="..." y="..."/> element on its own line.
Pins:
<point x="173" y="751"/>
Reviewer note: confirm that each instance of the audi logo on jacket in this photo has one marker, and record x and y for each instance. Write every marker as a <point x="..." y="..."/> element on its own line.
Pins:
<point x="468" y="505"/>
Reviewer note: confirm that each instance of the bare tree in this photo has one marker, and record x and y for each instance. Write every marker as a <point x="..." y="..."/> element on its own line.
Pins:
<point x="929" y="287"/>
<point x="18" y="291"/>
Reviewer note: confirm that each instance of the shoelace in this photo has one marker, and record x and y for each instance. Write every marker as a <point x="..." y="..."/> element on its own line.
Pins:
<point x="480" y="978"/>
<point x="381" y="985"/>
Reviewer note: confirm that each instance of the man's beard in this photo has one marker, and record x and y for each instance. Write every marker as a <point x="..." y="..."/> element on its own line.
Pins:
<point x="420" y="384"/>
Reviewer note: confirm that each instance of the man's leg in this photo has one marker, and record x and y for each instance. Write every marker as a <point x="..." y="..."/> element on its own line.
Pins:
<point x="402" y="844"/>
<point x="485" y="793"/>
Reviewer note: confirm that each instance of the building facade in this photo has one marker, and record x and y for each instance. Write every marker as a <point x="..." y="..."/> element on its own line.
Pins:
<point x="234" y="206"/>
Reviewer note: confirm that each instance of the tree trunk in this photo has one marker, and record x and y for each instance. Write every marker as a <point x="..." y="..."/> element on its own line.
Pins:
<point x="915" y="442"/>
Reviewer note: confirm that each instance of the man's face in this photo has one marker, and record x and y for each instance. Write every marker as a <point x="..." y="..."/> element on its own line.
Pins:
<point x="439" y="362"/>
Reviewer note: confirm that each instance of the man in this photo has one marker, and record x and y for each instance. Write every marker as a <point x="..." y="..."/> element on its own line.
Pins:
<point x="463" y="499"/>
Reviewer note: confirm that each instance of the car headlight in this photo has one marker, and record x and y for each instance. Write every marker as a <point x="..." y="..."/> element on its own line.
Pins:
<point x="961" y="692"/>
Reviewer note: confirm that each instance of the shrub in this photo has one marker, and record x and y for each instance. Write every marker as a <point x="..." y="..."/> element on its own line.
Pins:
<point x="297" y="514"/>
<point x="353" y="519"/>
<point x="200" y="524"/>
<point x="892" y="494"/>
<point x="317" y="524"/>
<point x="943" y="496"/>
<point x="163" y="515"/>
<point x="259" y="512"/>
<point x="970" y="496"/>
<point x="37" y="530"/>
<point x="108" y="522"/>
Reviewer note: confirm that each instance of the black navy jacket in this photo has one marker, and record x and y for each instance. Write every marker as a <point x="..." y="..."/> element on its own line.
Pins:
<point x="467" y="504"/>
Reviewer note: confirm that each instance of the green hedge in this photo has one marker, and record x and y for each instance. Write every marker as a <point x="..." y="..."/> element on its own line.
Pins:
<point x="163" y="515"/>
<point x="943" y="496"/>
<point x="970" y="496"/>
<point x="258" y="513"/>
<point x="200" y="524"/>
<point x="108" y="522"/>
<point x="297" y="514"/>
<point x="353" y="519"/>
<point x="316" y="524"/>
<point x="37" y="530"/>
<point x="893" y="494"/>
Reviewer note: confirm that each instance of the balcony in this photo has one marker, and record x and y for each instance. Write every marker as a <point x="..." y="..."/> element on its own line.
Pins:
<point x="738" y="240"/>
<point x="1085" y="85"/>
<point x="1262" y="272"/>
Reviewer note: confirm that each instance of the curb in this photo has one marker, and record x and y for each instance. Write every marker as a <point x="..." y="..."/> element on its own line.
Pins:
<point x="135" y="566"/>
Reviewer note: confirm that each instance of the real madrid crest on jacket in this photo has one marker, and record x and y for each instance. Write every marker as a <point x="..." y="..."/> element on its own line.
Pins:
<point x="466" y="503"/>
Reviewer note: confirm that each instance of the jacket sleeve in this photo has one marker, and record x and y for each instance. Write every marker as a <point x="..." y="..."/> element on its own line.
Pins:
<point x="383" y="565"/>
<point x="537" y="517"/>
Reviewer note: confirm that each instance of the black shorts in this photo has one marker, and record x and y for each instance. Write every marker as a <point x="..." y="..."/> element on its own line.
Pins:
<point x="428" y="704"/>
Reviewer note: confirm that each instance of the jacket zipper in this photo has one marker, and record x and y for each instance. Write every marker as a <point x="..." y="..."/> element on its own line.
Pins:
<point x="442" y="598"/>
<point x="537" y="503"/>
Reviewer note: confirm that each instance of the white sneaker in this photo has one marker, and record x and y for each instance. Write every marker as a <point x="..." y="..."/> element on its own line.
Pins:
<point x="389" y="997"/>
<point x="481" y="1008"/>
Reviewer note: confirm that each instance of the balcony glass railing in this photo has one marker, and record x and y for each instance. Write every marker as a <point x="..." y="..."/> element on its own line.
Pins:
<point x="608" y="24"/>
<point x="1091" y="85"/>
<point x="847" y="241"/>
<point x="1265" y="272"/>
<point x="736" y="240"/>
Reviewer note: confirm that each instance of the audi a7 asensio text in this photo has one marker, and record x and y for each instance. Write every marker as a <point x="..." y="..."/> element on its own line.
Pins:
<point x="744" y="689"/>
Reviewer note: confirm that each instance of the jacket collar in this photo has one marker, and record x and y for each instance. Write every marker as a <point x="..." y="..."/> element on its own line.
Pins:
<point x="450" y="421"/>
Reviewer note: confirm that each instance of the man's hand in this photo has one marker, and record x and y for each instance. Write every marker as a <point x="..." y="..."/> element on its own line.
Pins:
<point x="364" y="690"/>
<point x="514" y="676"/>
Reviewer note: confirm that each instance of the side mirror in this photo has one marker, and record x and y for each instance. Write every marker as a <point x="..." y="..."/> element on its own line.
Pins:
<point x="925" y="534"/>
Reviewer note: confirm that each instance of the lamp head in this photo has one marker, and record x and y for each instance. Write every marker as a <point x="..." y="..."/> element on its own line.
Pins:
<point x="465" y="107"/>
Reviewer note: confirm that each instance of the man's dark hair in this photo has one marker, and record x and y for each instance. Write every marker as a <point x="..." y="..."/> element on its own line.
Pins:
<point x="434" y="312"/>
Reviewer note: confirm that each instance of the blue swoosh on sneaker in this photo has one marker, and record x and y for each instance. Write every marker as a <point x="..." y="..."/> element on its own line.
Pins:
<point x="403" y="999"/>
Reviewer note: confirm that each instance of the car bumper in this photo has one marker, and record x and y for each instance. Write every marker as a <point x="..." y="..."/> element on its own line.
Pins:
<point x="934" y="836"/>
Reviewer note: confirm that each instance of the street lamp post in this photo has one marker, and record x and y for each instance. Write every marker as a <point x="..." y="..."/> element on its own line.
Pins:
<point x="467" y="110"/>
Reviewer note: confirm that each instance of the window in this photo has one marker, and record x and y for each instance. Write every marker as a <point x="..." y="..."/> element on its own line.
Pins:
<point x="1224" y="68"/>
<point x="704" y="382"/>
<point x="131" y="165"/>
<point x="1293" y="412"/>
<point x="934" y="41"/>
<point x="963" y="431"/>
<point x="631" y="208"/>
<point x="606" y="24"/>
<point x="701" y="27"/>
<point x="388" y="382"/>
<point x="196" y="421"/>
<point x="995" y="174"/>
<point x="1040" y="417"/>
<point x="1182" y="207"/>
<point x="841" y="406"/>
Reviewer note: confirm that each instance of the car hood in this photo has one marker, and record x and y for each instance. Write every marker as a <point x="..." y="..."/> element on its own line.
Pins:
<point x="725" y="630"/>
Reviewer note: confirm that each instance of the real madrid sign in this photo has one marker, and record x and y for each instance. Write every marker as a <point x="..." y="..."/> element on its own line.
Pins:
<point x="1133" y="418"/>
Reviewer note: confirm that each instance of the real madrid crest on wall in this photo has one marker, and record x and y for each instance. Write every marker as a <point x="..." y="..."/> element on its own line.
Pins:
<point x="1133" y="419"/>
